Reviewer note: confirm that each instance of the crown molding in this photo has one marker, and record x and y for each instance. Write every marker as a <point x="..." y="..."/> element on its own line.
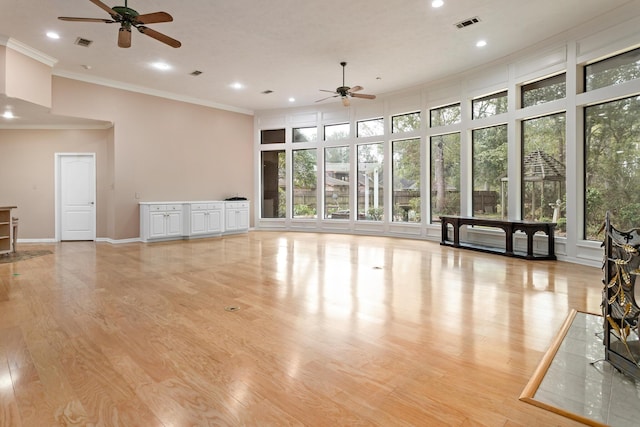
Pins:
<point x="28" y="51"/>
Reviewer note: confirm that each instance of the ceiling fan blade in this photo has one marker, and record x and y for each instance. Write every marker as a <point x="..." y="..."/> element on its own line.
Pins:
<point x="105" y="8"/>
<point x="159" y="36"/>
<point x="69" y="18"/>
<point x="124" y="37"/>
<point x="363" y="95"/>
<point x="356" y="88"/>
<point x="345" y="101"/>
<point x="323" y="99"/>
<point x="153" y="18"/>
<point x="330" y="91"/>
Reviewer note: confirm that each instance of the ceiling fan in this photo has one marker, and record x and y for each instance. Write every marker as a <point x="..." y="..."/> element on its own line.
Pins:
<point x="128" y="18"/>
<point x="345" y="92"/>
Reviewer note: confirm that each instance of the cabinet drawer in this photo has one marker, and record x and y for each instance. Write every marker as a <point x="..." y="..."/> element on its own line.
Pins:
<point x="157" y="208"/>
<point x="199" y="206"/>
<point x="214" y="206"/>
<point x="237" y="205"/>
<point x="174" y="207"/>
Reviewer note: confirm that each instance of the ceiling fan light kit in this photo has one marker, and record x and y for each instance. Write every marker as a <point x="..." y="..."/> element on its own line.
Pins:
<point x="128" y="18"/>
<point x="345" y="92"/>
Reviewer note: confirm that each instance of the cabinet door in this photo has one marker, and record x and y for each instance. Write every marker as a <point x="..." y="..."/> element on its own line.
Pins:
<point x="157" y="224"/>
<point x="231" y="221"/>
<point x="174" y="223"/>
<point x="214" y="221"/>
<point x="198" y="222"/>
<point x="243" y="219"/>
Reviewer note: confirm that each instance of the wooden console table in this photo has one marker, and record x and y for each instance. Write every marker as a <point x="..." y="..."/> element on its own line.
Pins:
<point x="6" y="232"/>
<point x="528" y="227"/>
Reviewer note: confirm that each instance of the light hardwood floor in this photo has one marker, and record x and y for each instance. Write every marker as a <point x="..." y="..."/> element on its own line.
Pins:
<point x="332" y="330"/>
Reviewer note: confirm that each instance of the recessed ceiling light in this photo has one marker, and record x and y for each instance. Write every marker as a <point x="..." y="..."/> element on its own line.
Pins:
<point x="163" y="66"/>
<point x="8" y="115"/>
<point x="437" y="3"/>
<point x="237" y="85"/>
<point x="292" y="99"/>
<point x="53" y="35"/>
<point x="481" y="43"/>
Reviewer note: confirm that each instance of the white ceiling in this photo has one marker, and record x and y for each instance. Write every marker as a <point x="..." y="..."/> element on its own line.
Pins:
<point x="290" y="47"/>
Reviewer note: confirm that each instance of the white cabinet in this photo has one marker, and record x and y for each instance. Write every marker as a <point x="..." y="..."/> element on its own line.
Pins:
<point x="204" y="219"/>
<point x="236" y="216"/>
<point x="179" y="220"/>
<point x="161" y="221"/>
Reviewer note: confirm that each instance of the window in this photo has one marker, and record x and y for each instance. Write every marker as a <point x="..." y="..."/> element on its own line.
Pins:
<point x="370" y="184"/>
<point x="309" y="134"/>
<point x="305" y="179"/>
<point x="612" y="71"/>
<point x="373" y="127"/>
<point x="544" y="91"/>
<point x="445" y="175"/>
<point x="273" y="184"/>
<point x="445" y="115"/>
<point x="405" y="122"/>
<point x="275" y="136"/>
<point x="490" y="172"/>
<point x="612" y="165"/>
<point x="490" y="105"/>
<point x="406" y="180"/>
<point x="336" y="183"/>
<point x="334" y="132"/>
<point x="543" y="169"/>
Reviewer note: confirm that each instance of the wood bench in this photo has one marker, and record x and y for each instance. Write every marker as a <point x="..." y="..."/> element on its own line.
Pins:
<point x="509" y="227"/>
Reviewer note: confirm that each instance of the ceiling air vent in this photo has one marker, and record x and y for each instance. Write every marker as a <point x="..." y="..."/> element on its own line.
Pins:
<point x="267" y="92"/>
<point x="467" y="22"/>
<point x="83" y="42"/>
<point x="196" y="73"/>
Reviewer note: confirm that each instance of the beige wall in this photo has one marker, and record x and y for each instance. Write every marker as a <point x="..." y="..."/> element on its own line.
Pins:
<point x="161" y="149"/>
<point x="27" y="78"/>
<point x="27" y="162"/>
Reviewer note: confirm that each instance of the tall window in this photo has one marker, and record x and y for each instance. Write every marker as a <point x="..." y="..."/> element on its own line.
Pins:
<point x="370" y="183"/>
<point x="612" y="172"/>
<point x="489" y="105"/>
<point x="544" y="91"/>
<point x="305" y="181"/>
<point x="490" y="172"/>
<point x="336" y="183"/>
<point x="309" y="134"/>
<point x="447" y="115"/>
<point x="445" y="175"/>
<point x="543" y="169"/>
<point x="274" y="184"/>
<point x="335" y="132"/>
<point x="612" y="71"/>
<point x="406" y="180"/>
<point x="405" y="122"/>
<point x="373" y="127"/>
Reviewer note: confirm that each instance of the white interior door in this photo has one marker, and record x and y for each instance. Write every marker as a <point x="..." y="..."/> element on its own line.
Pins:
<point x="77" y="195"/>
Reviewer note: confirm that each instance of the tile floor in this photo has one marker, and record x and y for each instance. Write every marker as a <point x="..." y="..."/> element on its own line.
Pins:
<point x="579" y="381"/>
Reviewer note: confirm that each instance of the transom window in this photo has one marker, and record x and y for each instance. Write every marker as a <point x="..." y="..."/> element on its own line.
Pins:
<point x="612" y="71"/>
<point x="373" y="127"/>
<point x="336" y="132"/>
<point x="405" y="122"/>
<point x="444" y="116"/>
<point x="489" y="105"/>
<point x="544" y="91"/>
<point x="309" y="134"/>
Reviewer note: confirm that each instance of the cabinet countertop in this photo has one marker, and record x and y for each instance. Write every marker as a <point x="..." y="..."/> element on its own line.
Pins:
<point x="4" y="208"/>
<point x="183" y="202"/>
